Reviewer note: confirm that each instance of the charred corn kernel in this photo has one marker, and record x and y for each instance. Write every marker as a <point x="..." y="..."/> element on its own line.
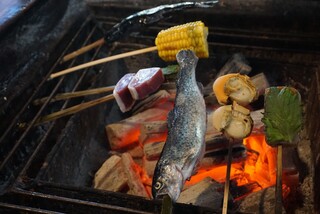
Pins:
<point x="191" y="36"/>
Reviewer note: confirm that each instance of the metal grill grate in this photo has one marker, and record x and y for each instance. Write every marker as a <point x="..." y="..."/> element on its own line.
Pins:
<point x="32" y="156"/>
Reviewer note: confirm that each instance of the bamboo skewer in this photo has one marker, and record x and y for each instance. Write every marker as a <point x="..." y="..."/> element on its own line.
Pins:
<point x="68" y="95"/>
<point x="83" y="50"/>
<point x="74" y="109"/>
<point x="103" y="60"/>
<point x="227" y="183"/>
<point x="278" y="205"/>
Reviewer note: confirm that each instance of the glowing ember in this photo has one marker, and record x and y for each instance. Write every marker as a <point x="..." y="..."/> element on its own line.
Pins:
<point x="255" y="169"/>
<point x="258" y="167"/>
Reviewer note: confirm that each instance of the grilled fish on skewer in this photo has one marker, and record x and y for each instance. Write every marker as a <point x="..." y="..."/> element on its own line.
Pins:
<point x="185" y="144"/>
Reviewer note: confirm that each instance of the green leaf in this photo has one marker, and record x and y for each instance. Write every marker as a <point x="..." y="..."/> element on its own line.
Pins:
<point x="170" y="72"/>
<point x="283" y="115"/>
<point x="170" y="69"/>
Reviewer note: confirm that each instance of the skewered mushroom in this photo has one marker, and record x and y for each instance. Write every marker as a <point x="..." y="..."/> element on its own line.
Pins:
<point x="234" y="120"/>
<point x="234" y="87"/>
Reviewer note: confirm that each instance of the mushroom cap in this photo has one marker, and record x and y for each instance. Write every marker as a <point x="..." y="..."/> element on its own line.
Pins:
<point x="234" y="87"/>
<point x="233" y="120"/>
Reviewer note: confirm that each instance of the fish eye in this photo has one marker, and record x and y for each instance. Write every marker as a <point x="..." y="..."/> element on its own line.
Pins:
<point x="157" y="185"/>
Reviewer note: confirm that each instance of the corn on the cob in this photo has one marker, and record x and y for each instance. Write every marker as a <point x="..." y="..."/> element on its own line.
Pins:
<point x="191" y="36"/>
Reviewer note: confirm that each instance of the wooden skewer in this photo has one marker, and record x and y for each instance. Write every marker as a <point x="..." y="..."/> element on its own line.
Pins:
<point x="278" y="205"/>
<point x="74" y="109"/>
<point x="227" y="183"/>
<point x="83" y="50"/>
<point x="68" y="95"/>
<point x="100" y="61"/>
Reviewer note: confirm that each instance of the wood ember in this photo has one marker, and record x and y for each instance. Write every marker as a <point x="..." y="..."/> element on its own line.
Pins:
<point x="153" y="132"/>
<point x="206" y="193"/>
<point x="154" y="127"/>
<point x="260" y="81"/>
<point x="219" y="156"/>
<point x="258" y="127"/>
<point x="214" y="142"/>
<point x="240" y="191"/>
<point x="111" y="175"/>
<point x="152" y="151"/>
<point x="136" y="152"/>
<point x="126" y="132"/>
<point x="262" y="201"/>
<point x="157" y="98"/>
<point x="236" y="64"/>
<point x="149" y="166"/>
<point x="132" y="171"/>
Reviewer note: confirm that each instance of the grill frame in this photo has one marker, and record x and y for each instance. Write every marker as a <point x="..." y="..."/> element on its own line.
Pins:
<point x="25" y="189"/>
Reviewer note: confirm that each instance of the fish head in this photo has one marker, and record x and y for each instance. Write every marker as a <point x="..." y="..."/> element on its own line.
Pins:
<point x="167" y="180"/>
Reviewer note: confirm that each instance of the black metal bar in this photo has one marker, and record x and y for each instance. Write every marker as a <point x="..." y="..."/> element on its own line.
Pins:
<point x="36" y="91"/>
<point x="25" y="209"/>
<point x="63" y="107"/>
<point x="31" y="124"/>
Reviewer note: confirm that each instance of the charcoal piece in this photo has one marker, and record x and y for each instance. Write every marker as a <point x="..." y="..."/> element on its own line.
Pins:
<point x="236" y="64"/>
<point x="262" y="201"/>
<point x="206" y="193"/>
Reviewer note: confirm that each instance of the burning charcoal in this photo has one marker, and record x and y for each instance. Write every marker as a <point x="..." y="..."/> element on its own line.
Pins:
<point x="215" y="141"/>
<point x="260" y="81"/>
<point x="290" y="171"/>
<point x="133" y="171"/>
<point x="145" y="82"/>
<point x="149" y="166"/>
<point x="206" y="193"/>
<point x="154" y="127"/>
<point x="153" y="132"/>
<point x="236" y="64"/>
<point x="262" y="201"/>
<point x="122" y="94"/>
<point x="136" y="152"/>
<point x="111" y="175"/>
<point x="219" y="156"/>
<point x="240" y="191"/>
<point x="123" y="133"/>
<point x="152" y="151"/>
<point x="258" y="125"/>
<point x="154" y="99"/>
<point x="265" y="174"/>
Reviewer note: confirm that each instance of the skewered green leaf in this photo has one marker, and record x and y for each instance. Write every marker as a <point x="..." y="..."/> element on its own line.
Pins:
<point x="283" y="115"/>
<point x="170" y="72"/>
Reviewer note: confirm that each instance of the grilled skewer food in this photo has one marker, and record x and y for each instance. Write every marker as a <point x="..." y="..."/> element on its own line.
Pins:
<point x="234" y="87"/>
<point x="169" y="42"/>
<point x="138" y="21"/>
<point x="185" y="144"/>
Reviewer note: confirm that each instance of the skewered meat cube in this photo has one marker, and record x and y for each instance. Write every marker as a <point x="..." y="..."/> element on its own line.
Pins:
<point x="122" y="94"/>
<point x="145" y="82"/>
